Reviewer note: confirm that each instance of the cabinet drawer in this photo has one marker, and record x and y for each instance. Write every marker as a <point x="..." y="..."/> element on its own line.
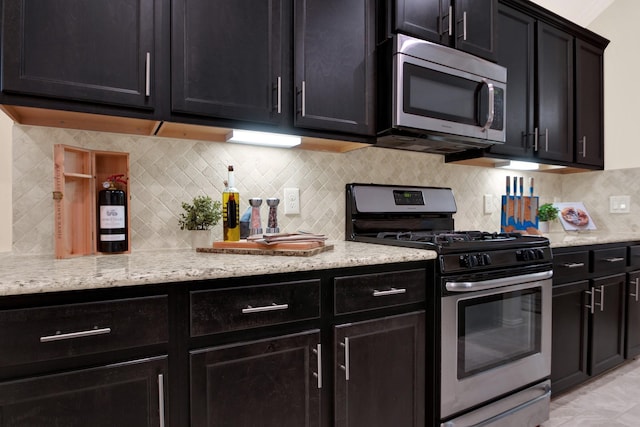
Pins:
<point x="571" y="266"/>
<point x="55" y="332"/>
<point x="608" y="261"/>
<point x="634" y="256"/>
<point x="246" y="307"/>
<point x="378" y="290"/>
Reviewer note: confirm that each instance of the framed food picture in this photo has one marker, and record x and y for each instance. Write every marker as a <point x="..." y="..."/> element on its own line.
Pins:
<point x="574" y="216"/>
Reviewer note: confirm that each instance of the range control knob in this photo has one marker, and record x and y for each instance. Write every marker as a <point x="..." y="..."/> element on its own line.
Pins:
<point x="469" y="261"/>
<point x="539" y="253"/>
<point x="527" y="255"/>
<point x="485" y="260"/>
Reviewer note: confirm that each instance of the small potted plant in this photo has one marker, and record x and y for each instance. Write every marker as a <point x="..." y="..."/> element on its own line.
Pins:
<point x="546" y="212"/>
<point x="199" y="217"/>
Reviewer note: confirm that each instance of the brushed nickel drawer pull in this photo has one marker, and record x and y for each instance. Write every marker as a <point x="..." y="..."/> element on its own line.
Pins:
<point x="601" y="290"/>
<point x="71" y="335"/>
<point x="636" y="282"/>
<point x="591" y="306"/>
<point x="147" y="75"/>
<point x="573" y="264"/>
<point x="615" y="259"/>
<point x="392" y="291"/>
<point x="272" y="307"/>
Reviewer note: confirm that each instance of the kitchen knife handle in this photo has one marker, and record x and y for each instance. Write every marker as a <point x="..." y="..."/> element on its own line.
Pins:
<point x="515" y="185"/>
<point x="521" y="186"/>
<point x="531" y="186"/>
<point x="508" y="185"/>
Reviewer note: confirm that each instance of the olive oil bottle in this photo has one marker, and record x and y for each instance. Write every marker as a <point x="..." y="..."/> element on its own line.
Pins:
<point x="231" y="210"/>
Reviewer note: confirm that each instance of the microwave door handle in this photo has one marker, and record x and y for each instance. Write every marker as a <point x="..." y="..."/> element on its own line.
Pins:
<point x="492" y="111"/>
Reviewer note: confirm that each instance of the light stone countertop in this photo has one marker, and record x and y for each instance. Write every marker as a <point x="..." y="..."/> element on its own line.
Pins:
<point x="561" y="239"/>
<point x="23" y="274"/>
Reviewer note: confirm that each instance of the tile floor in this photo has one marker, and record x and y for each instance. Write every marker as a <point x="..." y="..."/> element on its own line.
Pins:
<point x="612" y="400"/>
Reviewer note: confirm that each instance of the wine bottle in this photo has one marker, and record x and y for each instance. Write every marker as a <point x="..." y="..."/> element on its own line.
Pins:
<point x="112" y="217"/>
<point x="230" y="210"/>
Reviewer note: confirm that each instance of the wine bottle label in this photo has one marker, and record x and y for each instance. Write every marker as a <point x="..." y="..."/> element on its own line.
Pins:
<point x="112" y="216"/>
<point x="112" y="237"/>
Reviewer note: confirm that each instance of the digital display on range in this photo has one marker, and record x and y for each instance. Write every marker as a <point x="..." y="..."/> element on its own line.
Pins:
<point x="406" y="197"/>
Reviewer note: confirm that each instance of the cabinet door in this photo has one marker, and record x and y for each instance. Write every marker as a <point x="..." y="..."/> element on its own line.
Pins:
<point x="124" y="395"/>
<point x="569" y="336"/>
<point x="335" y="65"/>
<point x="271" y="383"/>
<point x="100" y="51"/>
<point x="606" y="338"/>
<point x="589" y="104"/>
<point x="516" y="44"/>
<point x="476" y="22"/>
<point x="380" y="372"/>
<point x="421" y="18"/>
<point x="229" y="58"/>
<point x="632" y="331"/>
<point x="555" y="94"/>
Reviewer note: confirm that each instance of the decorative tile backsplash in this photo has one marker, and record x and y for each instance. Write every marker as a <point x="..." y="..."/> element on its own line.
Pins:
<point x="164" y="172"/>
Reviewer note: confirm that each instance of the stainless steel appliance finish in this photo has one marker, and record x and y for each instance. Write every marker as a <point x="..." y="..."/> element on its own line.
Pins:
<point x="496" y="337"/>
<point x="494" y="292"/>
<point x="440" y="99"/>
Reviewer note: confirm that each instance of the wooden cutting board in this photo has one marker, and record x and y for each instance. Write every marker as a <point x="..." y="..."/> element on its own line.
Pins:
<point x="255" y="248"/>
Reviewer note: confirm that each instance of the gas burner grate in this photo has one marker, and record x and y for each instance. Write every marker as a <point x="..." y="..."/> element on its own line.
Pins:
<point x="444" y="237"/>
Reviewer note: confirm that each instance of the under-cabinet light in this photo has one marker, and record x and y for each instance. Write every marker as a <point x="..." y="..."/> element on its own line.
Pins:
<point x="518" y="165"/>
<point x="263" y="138"/>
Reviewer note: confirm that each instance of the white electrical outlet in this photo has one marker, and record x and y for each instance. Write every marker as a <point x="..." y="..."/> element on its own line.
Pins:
<point x="619" y="204"/>
<point x="291" y="201"/>
<point x="488" y="203"/>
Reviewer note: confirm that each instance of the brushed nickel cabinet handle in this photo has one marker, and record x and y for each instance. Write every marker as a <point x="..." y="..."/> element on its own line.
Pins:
<point x="71" y="335"/>
<point x="535" y="139"/>
<point x="345" y="367"/>
<point x="464" y="26"/>
<point x="450" y="20"/>
<point x="392" y="291"/>
<point x="601" y="291"/>
<point x="573" y="264"/>
<point x="591" y="306"/>
<point x="318" y="352"/>
<point x="272" y="307"/>
<point x="614" y="259"/>
<point x="304" y="98"/>
<point x="584" y="146"/>
<point x="636" y="283"/>
<point x="147" y="75"/>
<point x="161" y="399"/>
<point x="279" y="95"/>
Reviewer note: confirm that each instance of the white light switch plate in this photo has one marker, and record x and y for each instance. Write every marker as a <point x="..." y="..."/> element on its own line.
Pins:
<point x="488" y="203"/>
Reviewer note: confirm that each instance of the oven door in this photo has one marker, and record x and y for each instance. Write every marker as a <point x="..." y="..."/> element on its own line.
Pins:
<point x="496" y="338"/>
<point x="436" y="98"/>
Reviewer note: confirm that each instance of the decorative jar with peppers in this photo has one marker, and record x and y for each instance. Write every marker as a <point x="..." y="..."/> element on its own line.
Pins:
<point x="113" y="235"/>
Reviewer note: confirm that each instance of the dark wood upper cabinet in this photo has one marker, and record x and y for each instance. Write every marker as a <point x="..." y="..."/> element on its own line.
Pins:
<point x="589" y="104"/>
<point x="555" y="94"/>
<point x="230" y="59"/>
<point x="468" y="25"/>
<point x="100" y="52"/>
<point x="334" y="63"/>
<point x="516" y="52"/>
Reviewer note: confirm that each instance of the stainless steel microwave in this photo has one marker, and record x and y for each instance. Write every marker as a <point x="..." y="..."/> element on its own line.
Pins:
<point x="437" y="99"/>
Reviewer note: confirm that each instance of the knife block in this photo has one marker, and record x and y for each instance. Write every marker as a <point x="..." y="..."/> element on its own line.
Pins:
<point x="519" y="214"/>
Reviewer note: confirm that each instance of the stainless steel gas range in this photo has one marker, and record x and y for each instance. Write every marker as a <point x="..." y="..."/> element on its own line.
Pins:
<point x="493" y="331"/>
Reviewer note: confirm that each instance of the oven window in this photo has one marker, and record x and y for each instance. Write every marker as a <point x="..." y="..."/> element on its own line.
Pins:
<point x="439" y="95"/>
<point x="497" y="329"/>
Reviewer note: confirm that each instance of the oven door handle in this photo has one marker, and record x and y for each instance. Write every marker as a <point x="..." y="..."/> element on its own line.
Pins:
<point x="497" y="283"/>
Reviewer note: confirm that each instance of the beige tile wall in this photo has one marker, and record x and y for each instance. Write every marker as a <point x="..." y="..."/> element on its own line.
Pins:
<point x="165" y="172"/>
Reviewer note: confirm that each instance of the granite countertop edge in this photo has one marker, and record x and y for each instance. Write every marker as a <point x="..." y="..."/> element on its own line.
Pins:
<point x="31" y="274"/>
<point x="561" y="239"/>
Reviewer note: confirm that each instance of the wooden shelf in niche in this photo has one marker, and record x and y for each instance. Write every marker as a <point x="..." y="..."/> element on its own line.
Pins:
<point x="78" y="177"/>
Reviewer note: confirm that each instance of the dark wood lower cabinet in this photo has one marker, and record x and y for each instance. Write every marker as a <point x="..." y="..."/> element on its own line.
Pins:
<point x="380" y="372"/>
<point x="569" y="335"/>
<point x="123" y="395"/>
<point x="267" y="383"/>
<point x="632" y="332"/>
<point x="606" y="336"/>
